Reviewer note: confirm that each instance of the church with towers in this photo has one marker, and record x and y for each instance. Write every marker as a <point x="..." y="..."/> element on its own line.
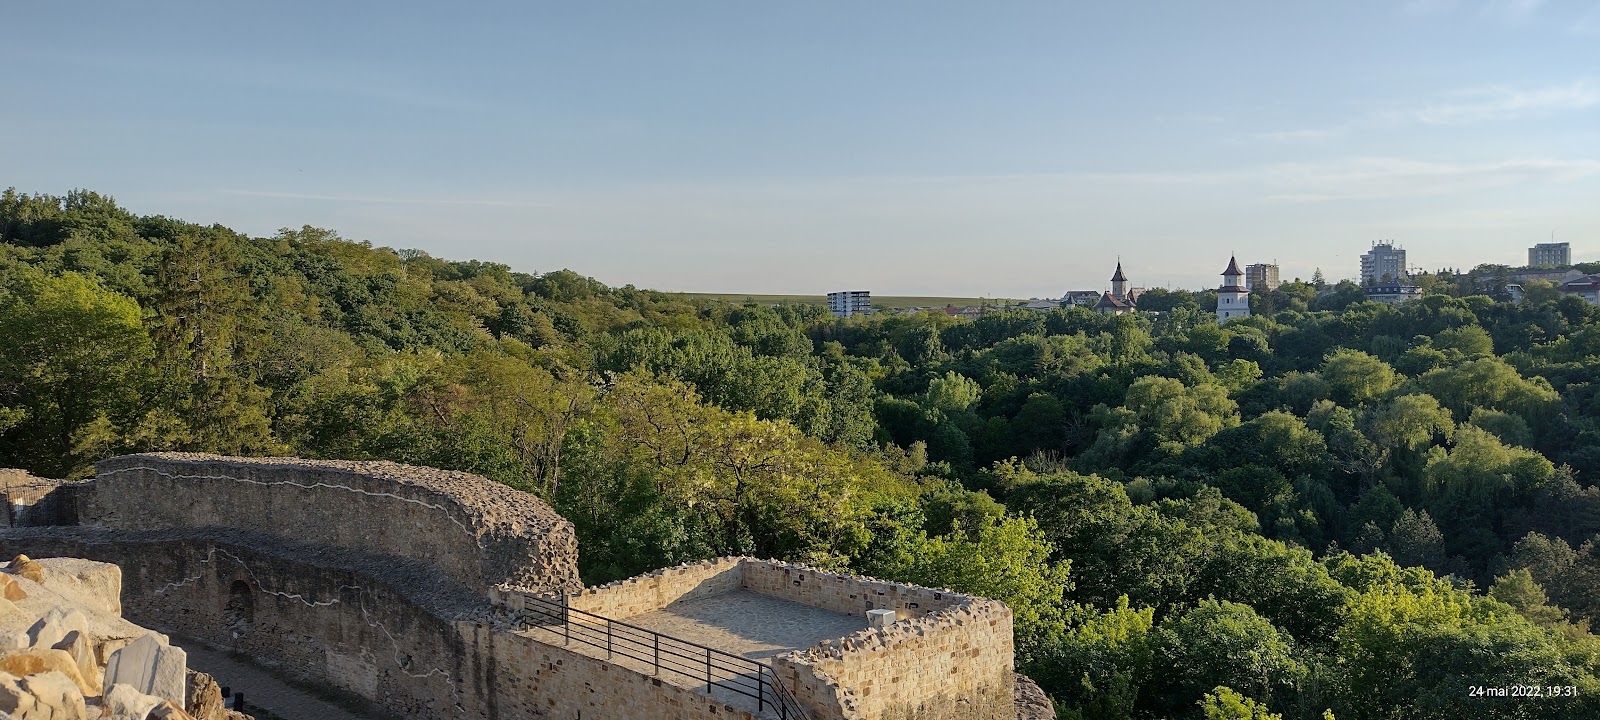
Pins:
<point x="1120" y="300"/>
<point x="1233" y="298"/>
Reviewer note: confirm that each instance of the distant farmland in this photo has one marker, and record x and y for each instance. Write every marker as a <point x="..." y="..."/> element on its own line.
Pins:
<point x="888" y="301"/>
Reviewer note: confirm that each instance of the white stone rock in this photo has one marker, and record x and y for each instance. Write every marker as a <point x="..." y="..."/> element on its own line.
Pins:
<point x="124" y="700"/>
<point x="55" y="626"/>
<point x="880" y="618"/>
<point x="151" y="668"/>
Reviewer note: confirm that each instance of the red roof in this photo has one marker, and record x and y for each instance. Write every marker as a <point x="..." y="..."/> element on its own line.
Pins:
<point x="1233" y="268"/>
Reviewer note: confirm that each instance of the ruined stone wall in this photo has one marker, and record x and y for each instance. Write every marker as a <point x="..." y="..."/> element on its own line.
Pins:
<point x="525" y="678"/>
<point x="954" y="664"/>
<point x="655" y="590"/>
<point x="846" y="594"/>
<point x="388" y="638"/>
<point x="949" y="657"/>
<point x="477" y="531"/>
<point x="34" y="501"/>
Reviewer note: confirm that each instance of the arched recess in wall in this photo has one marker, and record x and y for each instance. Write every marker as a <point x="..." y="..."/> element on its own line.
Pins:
<point x="240" y="612"/>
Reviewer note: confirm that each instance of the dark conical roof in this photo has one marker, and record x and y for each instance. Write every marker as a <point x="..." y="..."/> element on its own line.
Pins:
<point x="1119" y="277"/>
<point x="1233" y="268"/>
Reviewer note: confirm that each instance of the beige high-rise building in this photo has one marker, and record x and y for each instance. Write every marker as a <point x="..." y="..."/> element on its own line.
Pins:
<point x="1550" y="255"/>
<point x="1261" y="277"/>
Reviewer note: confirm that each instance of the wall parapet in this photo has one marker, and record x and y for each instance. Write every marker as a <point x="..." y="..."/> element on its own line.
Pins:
<point x="476" y="531"/>
<point x="949" y="656"/>
<point x="952" y="664"/>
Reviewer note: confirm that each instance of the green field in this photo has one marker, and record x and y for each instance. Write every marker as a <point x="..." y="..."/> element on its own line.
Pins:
<point x="888" y="301"/>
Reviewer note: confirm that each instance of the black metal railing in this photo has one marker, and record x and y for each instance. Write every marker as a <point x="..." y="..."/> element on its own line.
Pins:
<point x="698" y="664"/>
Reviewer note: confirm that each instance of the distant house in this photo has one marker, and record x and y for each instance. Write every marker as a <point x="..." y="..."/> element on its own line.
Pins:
<point x="1081" y="298"/>
<point x="1586" y="287"/>
<point x="970" y="312"/>
<point x="1550" y="276"/>
<point x="1393" y="293"/>
<point x="1113" y="305"/>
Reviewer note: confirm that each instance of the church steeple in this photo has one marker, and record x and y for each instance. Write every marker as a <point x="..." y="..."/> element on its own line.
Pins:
<point x="1119" y="283"/>
<point x="1233" y="270"/>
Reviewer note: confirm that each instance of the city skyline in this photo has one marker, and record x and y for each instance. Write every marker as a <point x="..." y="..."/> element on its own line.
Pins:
<point x="909" y="148"/>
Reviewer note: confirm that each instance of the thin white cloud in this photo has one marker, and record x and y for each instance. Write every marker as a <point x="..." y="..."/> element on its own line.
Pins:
<point x="1497" y="103"/>
<point x="1461" y="107"/>
<point x="1589" y="24"/>
<point x="1511" y="10"/>
<point x="1307" y="135"/>
<point x="1426" y="8"/>
<point x="1375" y="178"/>
<point x="383" y="200"/>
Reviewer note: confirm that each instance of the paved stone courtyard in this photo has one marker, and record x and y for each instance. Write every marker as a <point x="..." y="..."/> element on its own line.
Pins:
<point x="742" y="623"/>
<point x="749" y="624"/>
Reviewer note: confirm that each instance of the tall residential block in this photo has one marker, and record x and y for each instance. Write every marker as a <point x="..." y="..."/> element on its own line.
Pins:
<point x="847" y="303"/>
<point x="1384" y="262"/>
<point x="1550" y="255"/>
<point x="1261" y="277"/>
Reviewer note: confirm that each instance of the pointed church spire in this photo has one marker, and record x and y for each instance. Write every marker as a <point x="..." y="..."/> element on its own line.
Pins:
<point x="1119" y="277"/>
<point x="1233" y="267"/>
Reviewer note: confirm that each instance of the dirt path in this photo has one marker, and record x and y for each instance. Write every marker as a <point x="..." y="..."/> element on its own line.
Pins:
<point x="261" y="688"/>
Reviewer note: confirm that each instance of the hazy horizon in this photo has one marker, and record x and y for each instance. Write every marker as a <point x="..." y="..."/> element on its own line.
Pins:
<point x="903" y="148"/>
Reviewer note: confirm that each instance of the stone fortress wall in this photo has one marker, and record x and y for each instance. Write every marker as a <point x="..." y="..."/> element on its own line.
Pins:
<point x="401" y="585"/>
<point x="480" y="533"/>
<point x="948" y="656"/>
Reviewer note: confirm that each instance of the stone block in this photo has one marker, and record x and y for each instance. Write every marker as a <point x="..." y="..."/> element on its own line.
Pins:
<point x="10" y="589"/>
<point x="124" y="700"/>
<point x="96" y="585"/>
<point x="205" y="699"/>
<point x="55" y="697"/>
<point x="14" y="700"/>
<point x="881" y="618"/>
<point x="169" y="711"/>
<point x="55" y="626"/>
<point x="81" y="647"/>
<point x="151" y="668"/>
<point x="26" y="567"/>
<point x="45" y="660"/>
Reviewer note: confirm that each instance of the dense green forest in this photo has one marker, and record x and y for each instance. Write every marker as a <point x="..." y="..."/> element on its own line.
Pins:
<point x="1332" y="505"/>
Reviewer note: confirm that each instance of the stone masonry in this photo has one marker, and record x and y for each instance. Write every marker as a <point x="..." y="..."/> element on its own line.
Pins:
<point x="480" y="533"/>
<point x="412" y="588"/>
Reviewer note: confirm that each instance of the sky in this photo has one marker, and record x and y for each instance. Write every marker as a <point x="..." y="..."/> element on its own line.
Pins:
<point x="1007" y="149"/>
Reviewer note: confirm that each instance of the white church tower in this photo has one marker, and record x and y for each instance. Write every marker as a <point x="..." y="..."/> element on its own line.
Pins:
<point x="1233" y="299"/>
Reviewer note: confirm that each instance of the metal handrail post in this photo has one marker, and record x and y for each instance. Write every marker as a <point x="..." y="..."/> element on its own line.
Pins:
<point x="608" y="638"/>
<point x="708" y="671"/>
<point x="656" y="667"/>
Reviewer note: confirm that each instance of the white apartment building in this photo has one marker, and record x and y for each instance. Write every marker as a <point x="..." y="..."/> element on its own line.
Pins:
<point x="848" y="303"/>
<point x="1383" y="263"/>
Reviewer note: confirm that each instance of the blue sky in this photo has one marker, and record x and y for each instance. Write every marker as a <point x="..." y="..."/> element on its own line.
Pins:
<point x="1010" y="149"/>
